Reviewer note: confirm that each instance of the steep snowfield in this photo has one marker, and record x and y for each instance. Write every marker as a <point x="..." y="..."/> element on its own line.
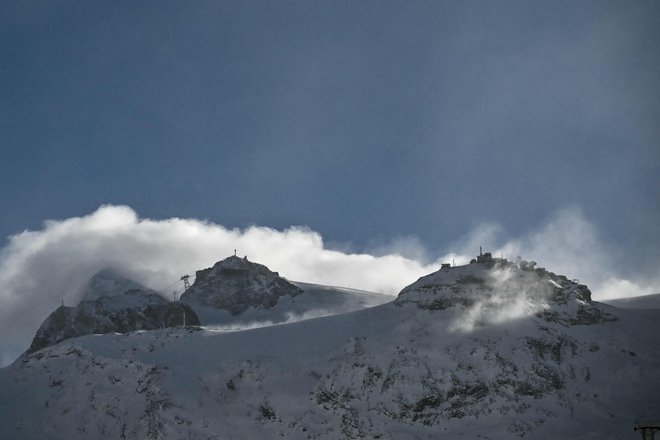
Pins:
<point x="460" y="354"/>
<point x="315" y="301"/>
<point x="335" y="300"/>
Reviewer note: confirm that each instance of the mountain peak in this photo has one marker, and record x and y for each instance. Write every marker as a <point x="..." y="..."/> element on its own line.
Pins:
<point x="110" y="282"/>
<point x="236" y="284"/>
<point x="494" y="289"/>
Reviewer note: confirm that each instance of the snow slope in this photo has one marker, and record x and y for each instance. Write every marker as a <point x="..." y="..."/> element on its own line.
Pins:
<point x="637" y="302"/>
<point x="468" y="352"/>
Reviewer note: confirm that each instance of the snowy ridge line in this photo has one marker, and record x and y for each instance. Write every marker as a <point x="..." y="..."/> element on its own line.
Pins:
<point x="484" y="350"/>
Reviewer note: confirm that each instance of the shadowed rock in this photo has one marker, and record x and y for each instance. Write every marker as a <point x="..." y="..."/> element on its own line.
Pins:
<point x="112" y="311"/>
<point x="236" y="284"/>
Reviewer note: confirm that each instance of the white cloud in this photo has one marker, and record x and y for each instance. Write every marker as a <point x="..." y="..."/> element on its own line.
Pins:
<point x="39" y="269"/>
<point x="513" y="294"/>
<point x="568" y="244"/>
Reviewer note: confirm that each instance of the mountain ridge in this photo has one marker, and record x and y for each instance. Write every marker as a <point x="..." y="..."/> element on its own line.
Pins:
<point x="111" y="303"/>
<point x="396" y="370"/>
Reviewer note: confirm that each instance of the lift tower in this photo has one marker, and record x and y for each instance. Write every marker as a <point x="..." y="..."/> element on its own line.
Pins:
<point x="186" y="283"/>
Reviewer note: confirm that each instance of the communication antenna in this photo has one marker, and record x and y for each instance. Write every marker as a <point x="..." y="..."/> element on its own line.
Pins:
<point x="186" y="283"/>
<point x="174" y="295"/>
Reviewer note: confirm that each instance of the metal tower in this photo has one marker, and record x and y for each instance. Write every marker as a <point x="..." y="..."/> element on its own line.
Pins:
<point x="186" y="283"/>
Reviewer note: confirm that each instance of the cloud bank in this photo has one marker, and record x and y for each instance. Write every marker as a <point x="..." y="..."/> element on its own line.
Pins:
<point x="569" y="244"/>
<point x="39" y="269"/>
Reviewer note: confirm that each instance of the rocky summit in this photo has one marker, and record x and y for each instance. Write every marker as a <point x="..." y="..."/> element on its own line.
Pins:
<point x="498" y="290"/>
<point x="236" y="284"/>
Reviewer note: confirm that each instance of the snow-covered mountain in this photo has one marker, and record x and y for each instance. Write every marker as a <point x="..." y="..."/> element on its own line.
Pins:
<point x="238" y="293"/>
<point x="109" y="282"/>
<point x="234" y="294"/>
<point x="499" y="291"/>
<point x="488" y="350"/>
<point x="112" y="303"/>
<point x="236" y="284"/>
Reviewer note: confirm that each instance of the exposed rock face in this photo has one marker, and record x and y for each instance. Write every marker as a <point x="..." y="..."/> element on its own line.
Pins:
<point x="112" y="311"/>
<point x="236" y="284"/>
<point x="496" y="290"/>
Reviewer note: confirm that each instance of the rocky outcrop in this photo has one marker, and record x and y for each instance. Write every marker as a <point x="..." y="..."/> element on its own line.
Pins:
<point x="112" y="311"/>
<point x="498" y="288"/>
<point x="236" y="284"/>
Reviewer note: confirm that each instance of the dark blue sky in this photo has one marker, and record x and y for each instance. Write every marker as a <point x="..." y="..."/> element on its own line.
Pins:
<point x="362" y="120"/>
